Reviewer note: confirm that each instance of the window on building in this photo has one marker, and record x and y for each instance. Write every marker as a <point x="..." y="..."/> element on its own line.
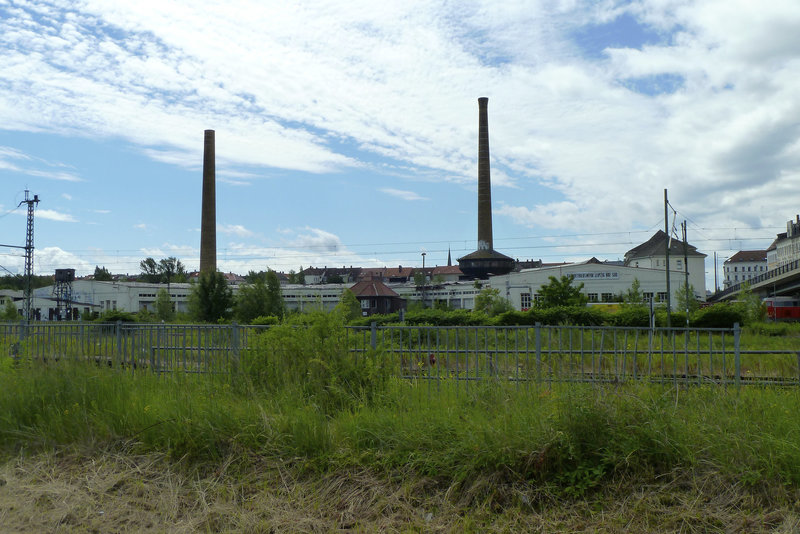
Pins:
<point x="735" y="269"/>
<point x="525" y="300"/>
<point x="679" y="263"/>
<point x="592" y="297"/>
<point x="662" y="296"/>
<point x="607" y="297"/>
<point x="648" y="296"/>
<point x="537" y="297"/>
<point x="365" y="304"/>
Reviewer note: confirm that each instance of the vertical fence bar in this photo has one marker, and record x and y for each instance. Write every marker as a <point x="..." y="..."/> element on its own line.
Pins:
<point x="538" y="348"/>
<point x="737" y="358"/>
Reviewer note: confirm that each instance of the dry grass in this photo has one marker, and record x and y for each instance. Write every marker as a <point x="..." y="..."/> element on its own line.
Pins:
<point x="118" y="492"/>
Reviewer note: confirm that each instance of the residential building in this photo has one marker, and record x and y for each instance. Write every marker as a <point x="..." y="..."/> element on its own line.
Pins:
<point x="743" y="266"/>
<point x="652" y="255"/>
<point x="786" y="247"/>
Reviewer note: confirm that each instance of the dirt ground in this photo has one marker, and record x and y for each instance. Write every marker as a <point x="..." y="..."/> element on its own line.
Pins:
<point x="134" y="493"/>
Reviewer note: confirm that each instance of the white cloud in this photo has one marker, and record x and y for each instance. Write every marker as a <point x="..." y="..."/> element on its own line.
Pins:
<point x="235" y="229"/>
<point x="576" y="141"/>
<point x="405" y="195"/>
<point x="54" y="215"/>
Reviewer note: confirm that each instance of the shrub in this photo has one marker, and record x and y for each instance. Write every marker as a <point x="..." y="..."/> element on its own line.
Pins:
<point x="309" y="355"/>
<point x="265" y="320"/>
<point x="721" y="315"/>
<point x="632" y="316"/>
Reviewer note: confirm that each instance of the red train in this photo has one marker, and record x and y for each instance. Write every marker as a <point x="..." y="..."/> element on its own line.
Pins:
<point x="783" y="308"/>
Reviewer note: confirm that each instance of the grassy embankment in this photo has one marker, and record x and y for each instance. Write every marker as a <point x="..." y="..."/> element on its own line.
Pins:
<point x="307" y="411"/>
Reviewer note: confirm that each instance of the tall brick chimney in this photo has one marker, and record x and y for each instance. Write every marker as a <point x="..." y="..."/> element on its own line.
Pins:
<point x="485" y="261"/>
<point x="208" y="223"/>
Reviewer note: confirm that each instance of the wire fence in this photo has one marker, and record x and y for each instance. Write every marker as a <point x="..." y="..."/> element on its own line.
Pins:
<point x="432" y="354"/>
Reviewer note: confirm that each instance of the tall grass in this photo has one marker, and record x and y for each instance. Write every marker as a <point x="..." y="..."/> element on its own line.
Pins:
<point x="307" y="402"/>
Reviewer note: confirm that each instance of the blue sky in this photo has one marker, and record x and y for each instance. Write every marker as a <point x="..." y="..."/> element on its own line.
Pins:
<point x="347" y="132"/>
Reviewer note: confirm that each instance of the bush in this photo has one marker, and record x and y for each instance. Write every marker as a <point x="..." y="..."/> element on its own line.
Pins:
<point x="309" y="355"/>
<point x="112" y="316"/>
<point x="265" y="320"/>
<point x="631" y="316"/>
<point x="721" y="315"/>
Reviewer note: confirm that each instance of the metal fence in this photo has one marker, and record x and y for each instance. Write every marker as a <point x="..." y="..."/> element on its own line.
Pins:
<point x="520" y="355"/>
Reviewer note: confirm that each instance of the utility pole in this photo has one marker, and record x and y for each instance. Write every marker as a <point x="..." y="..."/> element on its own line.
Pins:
<point x="666" y="246"/>
<point x="32" y="203"/>
<point x="686" y="270"/>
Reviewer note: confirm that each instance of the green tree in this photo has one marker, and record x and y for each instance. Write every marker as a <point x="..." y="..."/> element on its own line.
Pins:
<point x="101" y="274"/>
<point x="149" y="271"/>
<point x="211" y="299"/>
<point x="491" y="303"/>
<point x="349" y="306"/>
<point x="164" y="271"/>
<point x="561" y="292"/>
<point x="10" y="311"/>
<point x="335" y="279"/>
<point x="419" y="278"/>
<point x="633" y="296"/>
<point x="163" y="306"/>
<point x="686" y="299"/>
<point x="171" y="270"/>
<point x="259" y="298"/>
<point x="754" y="308"/>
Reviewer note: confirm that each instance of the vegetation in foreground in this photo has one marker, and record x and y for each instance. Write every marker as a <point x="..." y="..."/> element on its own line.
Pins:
<point x="306" y="410"/>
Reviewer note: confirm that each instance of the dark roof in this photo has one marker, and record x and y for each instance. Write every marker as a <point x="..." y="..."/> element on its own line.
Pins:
<point x="655" y="246"/>
<point x="372" y="288"/>
<point x="748" y="255"/>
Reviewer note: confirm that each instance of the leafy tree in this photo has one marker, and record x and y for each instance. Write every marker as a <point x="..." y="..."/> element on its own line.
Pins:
<point x="686" y="299"/>
<point x="491" y="303"/>
<point x="335" y="279"/>
<point x="561" y="292"/>
<point x="149" y="268"/>
<point x="633" y="296"/>
<point x="754" y="308"/>
<point x="349" y="306"/>
<point x="419" y="278"/>
<point x="163" y="306"/>
<point x="211" y="299"/>
<point x="167" y="270"/>
<point x="254" y="276"/>
<point x="261" y="297"/>
<point x="10" y="311"/>
<point x="172" y="270"/>
<point x="101" y="274"/>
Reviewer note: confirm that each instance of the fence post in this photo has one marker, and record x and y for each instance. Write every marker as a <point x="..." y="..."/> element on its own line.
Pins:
<point x="373" y="335"/>
<point x="737" y="358"/>
<point x="798" y="366"/>
<point x="118" y="328"/>
<point x="538" y="344"/>
<point x="235" y="346"/>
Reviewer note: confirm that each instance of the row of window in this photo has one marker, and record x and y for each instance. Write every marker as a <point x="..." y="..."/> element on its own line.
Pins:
<point x="525" y="298"/>
<point x="750" y="268"/>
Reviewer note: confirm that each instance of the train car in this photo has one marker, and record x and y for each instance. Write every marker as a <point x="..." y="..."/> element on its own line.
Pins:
<point x="783" y="308"/>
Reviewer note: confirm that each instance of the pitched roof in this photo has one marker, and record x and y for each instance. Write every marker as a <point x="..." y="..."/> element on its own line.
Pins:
<point x="748" y="255"/>
<point x="447" y="269"/>
<point x="372" y="288"/>
<point x="655" y="246"/>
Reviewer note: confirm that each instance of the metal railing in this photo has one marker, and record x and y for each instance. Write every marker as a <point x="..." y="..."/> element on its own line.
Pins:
<point x="518" y="354"/>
